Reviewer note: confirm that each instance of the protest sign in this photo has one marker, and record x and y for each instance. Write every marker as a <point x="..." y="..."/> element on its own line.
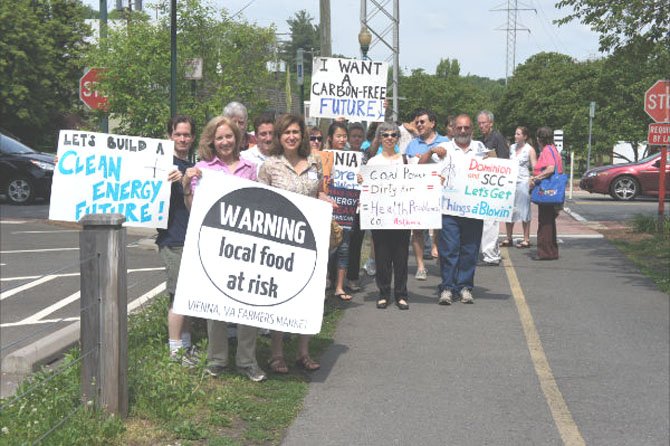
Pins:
<point x="342" y="184"/>
<point x="99" y="173"/>
<point x="402" y="196"/>
<point x="352" y="88"/>
<point x="254" y="255"/>
<point x="478" y="188"/>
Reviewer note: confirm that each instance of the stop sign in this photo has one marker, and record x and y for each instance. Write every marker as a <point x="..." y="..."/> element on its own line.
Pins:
<point x="88" y="92"/>
<point x="657" y="101"/>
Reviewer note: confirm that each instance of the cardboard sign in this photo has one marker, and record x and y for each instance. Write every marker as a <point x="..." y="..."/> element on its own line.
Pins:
<point x="254" y="255"/>
<point x="352" y="88"/>
<point x="403" y="196"/>
<point x="478" y="188"/>
<point x="342" y="184"/>
<point x="100" y="173"/>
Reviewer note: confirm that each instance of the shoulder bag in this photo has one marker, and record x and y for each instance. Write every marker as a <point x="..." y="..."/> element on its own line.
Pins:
<point x="550" y="190"/>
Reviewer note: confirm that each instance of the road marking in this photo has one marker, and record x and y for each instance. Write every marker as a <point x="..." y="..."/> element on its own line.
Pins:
<point x="12" y="222"/>
<point x="27" y="251"/>
<point x="565" y="424"/>
<point x="43" y="279"/>
<point x="34" y="320"/>
<point x="59" y="231"/>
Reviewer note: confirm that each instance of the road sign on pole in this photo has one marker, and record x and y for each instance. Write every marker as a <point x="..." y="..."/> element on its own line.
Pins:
<point x="657" y="101"/>
<point x="88" y="92"/>
<point x="659" y="134"/>
<point x="558" y="140"/>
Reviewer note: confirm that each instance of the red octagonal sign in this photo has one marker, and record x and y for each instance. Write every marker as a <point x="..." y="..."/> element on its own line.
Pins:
<point x="88" y="92"/>
<point x="657" y="101"/>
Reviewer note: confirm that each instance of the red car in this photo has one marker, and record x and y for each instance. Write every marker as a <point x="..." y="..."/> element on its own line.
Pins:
<point x="627" y="181"/>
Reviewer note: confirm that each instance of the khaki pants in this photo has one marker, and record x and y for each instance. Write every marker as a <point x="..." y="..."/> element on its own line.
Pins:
<point x="217" y="349"/>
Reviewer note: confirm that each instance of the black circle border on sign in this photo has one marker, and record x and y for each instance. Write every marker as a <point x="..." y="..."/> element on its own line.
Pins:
<point x="316" y="250"/>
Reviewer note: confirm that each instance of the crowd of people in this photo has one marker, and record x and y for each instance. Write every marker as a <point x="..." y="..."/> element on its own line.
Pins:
<point x="282" y="152"/>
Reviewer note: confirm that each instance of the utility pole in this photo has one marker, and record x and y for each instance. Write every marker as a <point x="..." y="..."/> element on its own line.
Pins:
<point x="104" y="120"/>
<point x="324" y="22"/>
<point x="173" y="57"/>
<point x="380" y="29"/>
<point x="592" y="114"/>
<point x="512" y="27"/>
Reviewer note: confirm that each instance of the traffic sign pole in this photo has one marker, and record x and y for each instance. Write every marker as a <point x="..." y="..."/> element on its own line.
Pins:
<point x="657" y="106"/>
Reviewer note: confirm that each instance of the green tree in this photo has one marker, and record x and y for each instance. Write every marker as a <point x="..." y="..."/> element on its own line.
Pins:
<point x="42" y="45"/>
<point x="447" y="68"/>
<point x="137" y="58"/>
<point x="304" y="34"/>
<point x="620" y="22"/>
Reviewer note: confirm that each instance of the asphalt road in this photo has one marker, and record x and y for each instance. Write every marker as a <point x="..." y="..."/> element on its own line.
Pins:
<point x="40" y="274"/>
<point x="602" y="208"/>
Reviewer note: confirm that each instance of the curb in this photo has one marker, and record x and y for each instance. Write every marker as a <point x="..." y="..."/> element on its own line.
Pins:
<point x="25" y="360"/>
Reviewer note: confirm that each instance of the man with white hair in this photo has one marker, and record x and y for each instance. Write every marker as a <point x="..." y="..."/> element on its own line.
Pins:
<point x="237" y="112"/>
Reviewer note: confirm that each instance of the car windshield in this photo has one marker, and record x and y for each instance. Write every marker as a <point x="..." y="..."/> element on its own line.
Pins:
<point x="651" y="157"/>
<point x="13" y="147"/>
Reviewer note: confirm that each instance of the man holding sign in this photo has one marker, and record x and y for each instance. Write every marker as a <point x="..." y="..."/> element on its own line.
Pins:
<point x="460" y="236"/>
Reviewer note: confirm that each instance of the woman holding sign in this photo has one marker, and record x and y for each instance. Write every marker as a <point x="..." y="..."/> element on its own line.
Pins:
<point x="391" y="245"/>
<point x="219" y="149"/>
<point x="292" y="167"/>
<point x="338" y="135"/>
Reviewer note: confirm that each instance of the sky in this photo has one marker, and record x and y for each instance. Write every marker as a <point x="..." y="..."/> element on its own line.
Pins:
<point x="471" y="32"/>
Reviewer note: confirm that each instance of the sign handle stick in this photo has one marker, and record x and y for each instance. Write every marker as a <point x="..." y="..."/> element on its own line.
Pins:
<point x="572" y="165"/>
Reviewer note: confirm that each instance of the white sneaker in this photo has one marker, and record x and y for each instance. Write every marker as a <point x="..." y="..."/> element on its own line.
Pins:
<point x="421" y="274"/>
<point x="370" y="267"/>
<point x="445" y="298"/>
<point x="466" y="296"/>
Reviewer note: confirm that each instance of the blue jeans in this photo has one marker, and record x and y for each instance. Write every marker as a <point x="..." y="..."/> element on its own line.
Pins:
<point x="459" y="248"/>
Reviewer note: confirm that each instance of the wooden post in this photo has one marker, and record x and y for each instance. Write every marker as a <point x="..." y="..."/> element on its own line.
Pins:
<point x="104" y="327"/>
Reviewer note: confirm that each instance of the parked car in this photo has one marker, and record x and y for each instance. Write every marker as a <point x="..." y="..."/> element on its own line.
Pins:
<point x="24" y="173"/>
<point x="627" y="181"/>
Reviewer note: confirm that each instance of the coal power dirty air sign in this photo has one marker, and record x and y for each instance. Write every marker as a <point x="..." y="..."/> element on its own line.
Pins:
<point x="254" y="255"/>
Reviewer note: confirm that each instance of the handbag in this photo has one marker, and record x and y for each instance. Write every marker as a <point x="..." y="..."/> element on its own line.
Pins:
<point x="550" y="190"/>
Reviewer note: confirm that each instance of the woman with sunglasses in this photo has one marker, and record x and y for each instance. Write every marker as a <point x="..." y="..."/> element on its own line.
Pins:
<point x="315" y="139"/>
<point x="391" y="245"/>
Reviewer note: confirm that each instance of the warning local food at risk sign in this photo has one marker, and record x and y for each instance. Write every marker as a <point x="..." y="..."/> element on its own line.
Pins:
<point x="254" y="255"/>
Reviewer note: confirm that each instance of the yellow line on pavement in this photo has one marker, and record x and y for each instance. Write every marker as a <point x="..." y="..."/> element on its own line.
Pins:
<point x="566" y="425"/>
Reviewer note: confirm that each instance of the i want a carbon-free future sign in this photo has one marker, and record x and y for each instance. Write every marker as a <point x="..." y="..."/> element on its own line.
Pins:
<point x="254" y="255"/>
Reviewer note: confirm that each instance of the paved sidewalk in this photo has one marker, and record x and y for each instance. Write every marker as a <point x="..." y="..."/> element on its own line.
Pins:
<point x="464" y="374"/>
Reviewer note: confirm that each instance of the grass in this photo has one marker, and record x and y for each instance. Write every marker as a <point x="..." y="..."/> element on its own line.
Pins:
<point x="168" y="404"/>
<point x="648" y="249"/>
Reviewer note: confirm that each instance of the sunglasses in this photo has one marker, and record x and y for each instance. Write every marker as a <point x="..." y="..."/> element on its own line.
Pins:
<point x="462" y="127"/>
<point x="316" y="138"/>
<point x="389" y="135"/>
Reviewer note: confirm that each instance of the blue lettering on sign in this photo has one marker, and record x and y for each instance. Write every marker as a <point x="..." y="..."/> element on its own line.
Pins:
<point x="362" y="108"/>
<point x="109" y="166"/>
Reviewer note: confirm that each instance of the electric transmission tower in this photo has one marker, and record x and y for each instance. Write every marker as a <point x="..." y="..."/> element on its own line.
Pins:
<point x="382" y="19"/>
<point x="512" y="26"/>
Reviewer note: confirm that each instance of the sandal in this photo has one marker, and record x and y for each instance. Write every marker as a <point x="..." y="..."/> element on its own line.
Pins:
<point x="507" y="242"/>
<point x="278" y="365"/>
<point x="523" y="245"/>
<point x="343" y="296"/>
<point x="382" y="303"/>
<point x="307" y="363"/>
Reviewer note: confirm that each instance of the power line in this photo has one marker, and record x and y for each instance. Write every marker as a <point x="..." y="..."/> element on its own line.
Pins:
<point x="512" y="26"/>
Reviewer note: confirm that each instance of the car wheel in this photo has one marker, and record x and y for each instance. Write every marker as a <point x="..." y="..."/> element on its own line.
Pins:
<point x="20" y="190"/>
<point x="624" y="188"/>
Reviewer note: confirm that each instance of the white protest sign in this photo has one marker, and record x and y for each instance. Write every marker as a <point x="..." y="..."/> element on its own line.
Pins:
<point x="343" y="185"/>
<point x="100" y="173"/>
<point x="478" y="188"/>
<point x="402" y="196"/>
<point x="254" y="255"/>
<point x="352" y="88"/>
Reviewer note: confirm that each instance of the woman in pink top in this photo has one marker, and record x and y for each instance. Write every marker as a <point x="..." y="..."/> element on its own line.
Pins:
<point x="548" y="162"/>
<point x="219" y="149"/>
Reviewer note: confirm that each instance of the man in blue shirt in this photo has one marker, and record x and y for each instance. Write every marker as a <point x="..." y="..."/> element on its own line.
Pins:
<point x="170" y="241"/>
<point x="427" y="138"/>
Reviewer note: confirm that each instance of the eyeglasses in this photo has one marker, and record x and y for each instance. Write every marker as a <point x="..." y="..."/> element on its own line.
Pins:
<point x="316" y="138"/>
<point x="389" y="135"/>
<point x="462" y="127"/>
